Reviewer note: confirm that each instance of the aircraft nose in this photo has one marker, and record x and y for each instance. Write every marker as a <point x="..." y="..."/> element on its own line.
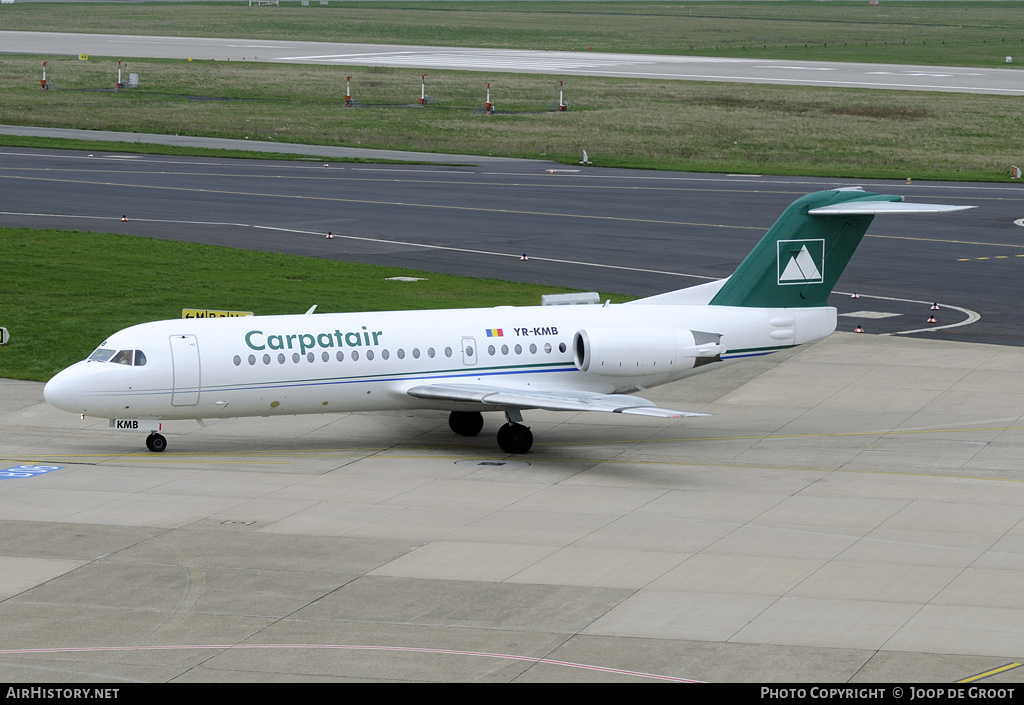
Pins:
<point x="62" y="392"/>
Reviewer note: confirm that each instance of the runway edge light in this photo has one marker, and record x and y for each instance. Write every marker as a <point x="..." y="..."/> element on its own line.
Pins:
<point x="4" y="336"/>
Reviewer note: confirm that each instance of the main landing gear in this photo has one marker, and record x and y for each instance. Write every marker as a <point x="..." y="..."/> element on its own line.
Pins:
<point x="156" y="443"/>
<point x="466" y="423"/>
<point x="513" y="437"/>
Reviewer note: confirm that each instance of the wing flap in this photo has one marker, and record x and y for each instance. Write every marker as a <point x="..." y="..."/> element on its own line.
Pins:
<point x="550" y="400"/>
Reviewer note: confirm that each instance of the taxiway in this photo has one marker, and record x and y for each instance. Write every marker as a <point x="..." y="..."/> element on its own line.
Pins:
<point x="852" y="512"/>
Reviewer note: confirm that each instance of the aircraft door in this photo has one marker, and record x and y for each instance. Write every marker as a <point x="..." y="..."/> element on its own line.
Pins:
<point x="468" y="351"/>
<point x="185" y="359"/>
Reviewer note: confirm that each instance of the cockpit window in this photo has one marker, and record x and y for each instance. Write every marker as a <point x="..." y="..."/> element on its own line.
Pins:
<point x="124" y="357"/>
<point x="101" y="355"/>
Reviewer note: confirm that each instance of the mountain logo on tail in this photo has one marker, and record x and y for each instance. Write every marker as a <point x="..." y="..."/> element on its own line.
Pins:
<point x="801" y="261"/>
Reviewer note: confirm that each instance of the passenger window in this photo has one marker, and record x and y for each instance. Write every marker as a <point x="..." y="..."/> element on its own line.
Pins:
<point x="124" y="357"/>
<point x="447" y="352"/>
<point x="237" y="361"/>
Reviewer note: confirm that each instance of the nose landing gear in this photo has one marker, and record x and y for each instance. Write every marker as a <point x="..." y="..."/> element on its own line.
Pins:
<point x="156" y="443"/>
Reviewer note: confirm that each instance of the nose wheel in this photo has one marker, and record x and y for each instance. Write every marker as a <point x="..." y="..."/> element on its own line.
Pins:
<point x="156" y="443"/>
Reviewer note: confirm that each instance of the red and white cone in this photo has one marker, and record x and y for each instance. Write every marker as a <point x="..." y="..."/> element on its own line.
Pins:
<point x="330" y="235"/>
<point x="858" y="329"/>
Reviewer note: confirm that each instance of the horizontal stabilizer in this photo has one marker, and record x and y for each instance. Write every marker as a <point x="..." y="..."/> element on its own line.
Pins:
<point x="560" y="400"/>
<point x="883" y="208"/>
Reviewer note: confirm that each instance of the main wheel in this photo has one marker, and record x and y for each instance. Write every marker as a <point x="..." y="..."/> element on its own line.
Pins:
<point x="515" y="438"/>
<point x="466" y="423"/>
<point x="156" y="443"/>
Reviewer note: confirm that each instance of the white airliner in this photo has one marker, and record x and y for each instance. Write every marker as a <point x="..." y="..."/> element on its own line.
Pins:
<point x="468" y="361"/>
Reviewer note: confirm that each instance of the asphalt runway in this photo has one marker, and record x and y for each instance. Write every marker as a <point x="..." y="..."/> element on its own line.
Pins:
<point x="996" y="81"/>
<point x="614" y="231"/>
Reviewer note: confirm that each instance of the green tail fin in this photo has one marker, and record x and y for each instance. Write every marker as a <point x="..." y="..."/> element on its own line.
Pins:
<point x="799" y="260"/>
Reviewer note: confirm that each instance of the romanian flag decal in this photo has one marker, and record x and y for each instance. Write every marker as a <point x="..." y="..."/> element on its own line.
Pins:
<point x="495" y="333"/>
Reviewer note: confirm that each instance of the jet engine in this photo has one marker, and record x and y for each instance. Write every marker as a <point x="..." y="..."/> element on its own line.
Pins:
<point x="638" y="352"/>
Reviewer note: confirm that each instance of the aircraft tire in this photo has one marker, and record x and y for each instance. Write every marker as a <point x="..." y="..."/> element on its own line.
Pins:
<point x="156" y="443"/>
<point x="515" y="438"/>
<point x="466" y="423"/>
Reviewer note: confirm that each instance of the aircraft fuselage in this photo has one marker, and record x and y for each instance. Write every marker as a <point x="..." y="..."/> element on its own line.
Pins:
<point x="320" y="363"/>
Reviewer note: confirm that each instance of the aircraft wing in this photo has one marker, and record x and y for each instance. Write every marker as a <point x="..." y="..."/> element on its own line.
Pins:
<point x="551" y="400"/>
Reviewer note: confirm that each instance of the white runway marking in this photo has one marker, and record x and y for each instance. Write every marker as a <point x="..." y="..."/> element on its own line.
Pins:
<point x="468" y="60"/>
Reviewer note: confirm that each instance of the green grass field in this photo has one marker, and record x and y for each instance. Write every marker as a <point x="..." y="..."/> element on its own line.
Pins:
<point x="673" y="125"/>
<point x="678" y="125"/>
<point x="62" y="293"/>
